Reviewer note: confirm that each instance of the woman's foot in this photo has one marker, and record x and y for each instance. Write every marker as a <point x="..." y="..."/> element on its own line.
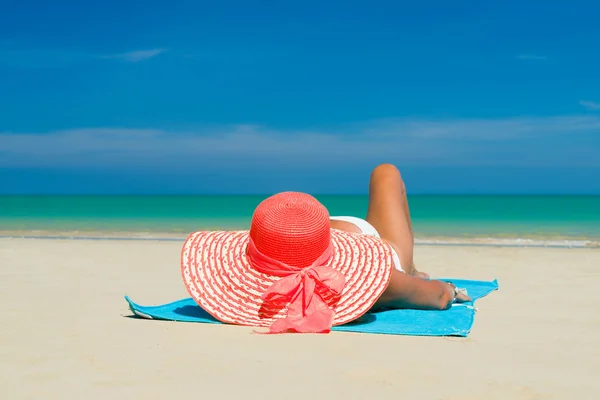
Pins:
<point x="419" y="274"/>
<point x="422" y="275"/>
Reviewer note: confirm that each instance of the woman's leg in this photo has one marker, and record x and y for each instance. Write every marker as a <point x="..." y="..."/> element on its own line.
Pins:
<point x="389" y="213"/>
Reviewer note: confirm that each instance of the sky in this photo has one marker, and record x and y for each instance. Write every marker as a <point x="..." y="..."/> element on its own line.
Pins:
<point x="262" y="96"/>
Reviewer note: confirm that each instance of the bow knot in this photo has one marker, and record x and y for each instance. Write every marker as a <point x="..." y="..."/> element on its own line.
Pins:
<point x="310" y="293"/>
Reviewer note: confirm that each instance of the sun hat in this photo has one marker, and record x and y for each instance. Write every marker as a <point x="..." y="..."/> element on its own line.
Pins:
<point x="290" y="272"/>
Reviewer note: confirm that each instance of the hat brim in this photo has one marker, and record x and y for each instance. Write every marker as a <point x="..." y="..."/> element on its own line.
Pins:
<point x="218" y="276"/>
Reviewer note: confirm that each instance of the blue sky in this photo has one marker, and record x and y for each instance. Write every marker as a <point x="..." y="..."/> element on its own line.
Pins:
<point x="257" y="97"/>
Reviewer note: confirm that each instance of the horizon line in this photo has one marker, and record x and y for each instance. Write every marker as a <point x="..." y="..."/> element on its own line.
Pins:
<point x="270" y="194"/>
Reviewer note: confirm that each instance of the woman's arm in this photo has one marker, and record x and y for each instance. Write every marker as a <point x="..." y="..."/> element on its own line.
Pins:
<point x="406" y="291"/>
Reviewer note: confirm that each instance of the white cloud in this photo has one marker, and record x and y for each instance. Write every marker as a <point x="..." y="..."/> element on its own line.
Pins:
<point x="590" y="105"/>
<point x="50" y="58"/>
<point x="542" y="141"/>
<point x="487" y="129"/>
<point x="135" y="56"/>
<point x="532" y="57"/>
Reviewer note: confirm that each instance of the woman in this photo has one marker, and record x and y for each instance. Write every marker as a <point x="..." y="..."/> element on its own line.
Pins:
<point x="388" y="217"/>
<point x="299" y="270"/>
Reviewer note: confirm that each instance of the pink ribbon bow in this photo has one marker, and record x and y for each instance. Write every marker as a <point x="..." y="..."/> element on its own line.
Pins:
<point x="311" y="292"/>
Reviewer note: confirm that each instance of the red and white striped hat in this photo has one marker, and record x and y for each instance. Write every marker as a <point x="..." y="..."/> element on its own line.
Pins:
<point x="291" y="272"/>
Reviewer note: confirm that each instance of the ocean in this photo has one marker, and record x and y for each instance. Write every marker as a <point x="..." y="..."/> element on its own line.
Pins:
<point x="495" y="219"/>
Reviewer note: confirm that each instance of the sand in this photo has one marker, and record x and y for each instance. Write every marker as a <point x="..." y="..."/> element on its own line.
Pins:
<point x="66" y="333"/>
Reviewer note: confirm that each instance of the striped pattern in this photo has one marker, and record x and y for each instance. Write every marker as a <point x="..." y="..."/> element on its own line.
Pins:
<point x="220" y="279"/>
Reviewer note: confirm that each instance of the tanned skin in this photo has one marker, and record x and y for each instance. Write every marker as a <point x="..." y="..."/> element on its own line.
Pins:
<point x="389" y="213"/>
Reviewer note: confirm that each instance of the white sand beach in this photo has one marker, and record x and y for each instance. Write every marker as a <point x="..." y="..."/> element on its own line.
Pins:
<point x="66" y="332"/>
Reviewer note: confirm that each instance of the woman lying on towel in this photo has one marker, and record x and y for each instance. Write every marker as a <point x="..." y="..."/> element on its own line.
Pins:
<point x="300" y="270"/>
<point x="388" y="217"/>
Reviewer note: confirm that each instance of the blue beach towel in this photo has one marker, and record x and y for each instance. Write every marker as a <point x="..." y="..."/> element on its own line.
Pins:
<point x="457" y="321"/>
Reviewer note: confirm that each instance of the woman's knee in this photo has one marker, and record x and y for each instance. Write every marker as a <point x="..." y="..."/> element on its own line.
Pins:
<point x="386" y="172"/>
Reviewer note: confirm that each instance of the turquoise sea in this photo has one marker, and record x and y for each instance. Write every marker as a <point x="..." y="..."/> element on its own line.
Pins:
<point x="539" y="217"/>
